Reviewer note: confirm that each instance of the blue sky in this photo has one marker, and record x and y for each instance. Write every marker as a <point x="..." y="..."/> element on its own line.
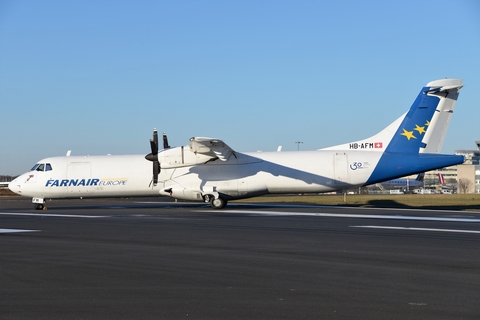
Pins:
<point x="96" y="77"/>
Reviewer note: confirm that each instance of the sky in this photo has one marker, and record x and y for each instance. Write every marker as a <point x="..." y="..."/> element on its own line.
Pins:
<point x="96" y="77"/>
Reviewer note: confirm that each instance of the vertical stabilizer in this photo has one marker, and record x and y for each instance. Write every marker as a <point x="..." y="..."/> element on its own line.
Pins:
<point x="420" y="130"/>
<point x="420" y="177"/>
<point x="424" y="127"/>
<point x="441" y="179"/>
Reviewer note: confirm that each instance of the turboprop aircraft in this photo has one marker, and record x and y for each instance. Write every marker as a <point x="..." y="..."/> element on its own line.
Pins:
<point x="403" y="183"/>
<point x="208" y="170"/>
<point x="408" y="184"/>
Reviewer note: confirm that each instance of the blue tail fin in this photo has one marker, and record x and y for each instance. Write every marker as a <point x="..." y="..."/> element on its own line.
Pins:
<point x="408" y="138"/>
<point x="437" y="97"/>
<point x="425" y="123"/>
<point x="422" y="128"/>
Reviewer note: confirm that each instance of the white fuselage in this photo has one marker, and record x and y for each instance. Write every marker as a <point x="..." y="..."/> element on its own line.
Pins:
<point x="246" y="175"/>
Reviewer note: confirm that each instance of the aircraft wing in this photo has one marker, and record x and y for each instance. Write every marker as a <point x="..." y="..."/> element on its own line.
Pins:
<point x="211" y="147"/>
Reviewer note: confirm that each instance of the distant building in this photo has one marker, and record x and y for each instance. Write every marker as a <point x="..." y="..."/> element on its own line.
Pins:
<point x="471" y="156"/>
<point x="5" y="180"/>
<point x="464" y="178"/>
<point x="449" y="174"/>
<point x="468" y="173"/>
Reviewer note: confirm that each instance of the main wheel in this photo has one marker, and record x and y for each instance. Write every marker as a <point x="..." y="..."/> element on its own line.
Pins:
<point x="218" y="203"/>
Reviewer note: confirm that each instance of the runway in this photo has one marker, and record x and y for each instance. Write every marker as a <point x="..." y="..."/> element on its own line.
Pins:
<point x="147" y="258"/>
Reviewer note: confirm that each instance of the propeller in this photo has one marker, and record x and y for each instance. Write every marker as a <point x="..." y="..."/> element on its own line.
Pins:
<point x="165" y="141"/>
<point x="153" y="156"/>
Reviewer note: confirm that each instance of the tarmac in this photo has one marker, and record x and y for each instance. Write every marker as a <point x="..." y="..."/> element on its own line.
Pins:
<point x="150" y="258"/>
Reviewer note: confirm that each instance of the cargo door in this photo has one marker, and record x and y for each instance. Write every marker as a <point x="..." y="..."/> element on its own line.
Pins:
<point x="340" y="165"/>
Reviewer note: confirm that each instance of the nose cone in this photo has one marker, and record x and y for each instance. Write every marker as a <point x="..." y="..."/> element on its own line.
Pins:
<point x="15" y="186"/>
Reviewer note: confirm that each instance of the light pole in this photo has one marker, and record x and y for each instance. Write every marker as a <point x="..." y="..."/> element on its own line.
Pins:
<point x="298" y="144"/>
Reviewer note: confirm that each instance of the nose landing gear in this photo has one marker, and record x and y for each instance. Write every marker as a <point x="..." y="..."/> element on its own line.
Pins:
<point x="39" y="204"/>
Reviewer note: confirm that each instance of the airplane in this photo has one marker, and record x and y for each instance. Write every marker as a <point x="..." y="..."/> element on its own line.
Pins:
<point x="407" y="184"/>
<point x="444" y="186"/>
<point x="441" y="187"/>
<point x="404" y="183"/>
<point x="208" y="170"/>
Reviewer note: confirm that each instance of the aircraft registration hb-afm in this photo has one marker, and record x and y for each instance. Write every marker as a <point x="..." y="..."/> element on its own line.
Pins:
<point x="209" y="170"/>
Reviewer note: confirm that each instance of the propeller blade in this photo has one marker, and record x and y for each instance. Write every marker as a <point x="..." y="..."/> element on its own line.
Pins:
<point x="153" y="156"/>
<point x="154" y="148"/>
<point x="165" y="141"/>
<point x="156" y="171"/>
<point x="154" y="142"/>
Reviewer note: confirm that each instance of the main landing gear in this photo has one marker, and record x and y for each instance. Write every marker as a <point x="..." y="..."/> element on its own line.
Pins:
<point x="215" y="202"/>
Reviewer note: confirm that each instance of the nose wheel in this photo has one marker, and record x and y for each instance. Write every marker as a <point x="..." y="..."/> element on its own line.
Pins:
<point x="39" y="206"/>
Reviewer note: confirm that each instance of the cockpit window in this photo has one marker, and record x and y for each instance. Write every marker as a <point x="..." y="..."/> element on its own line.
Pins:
<point x="42" y="167"/>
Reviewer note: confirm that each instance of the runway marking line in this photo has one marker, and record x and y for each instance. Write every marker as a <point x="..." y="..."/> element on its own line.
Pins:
<point x="418" y="229"/>
<point x="50" y="215"/>
<point x="343" y="215"/>
<point x="16" y="230"/>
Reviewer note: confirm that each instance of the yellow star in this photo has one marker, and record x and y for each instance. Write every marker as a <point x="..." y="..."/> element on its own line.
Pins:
<point x="419" y="129"/>
<point x="408" y="134"/>
<point x="427" y="123"/>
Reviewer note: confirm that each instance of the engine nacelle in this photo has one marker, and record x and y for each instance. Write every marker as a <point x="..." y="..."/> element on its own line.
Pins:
<point x="181" y="157"/>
